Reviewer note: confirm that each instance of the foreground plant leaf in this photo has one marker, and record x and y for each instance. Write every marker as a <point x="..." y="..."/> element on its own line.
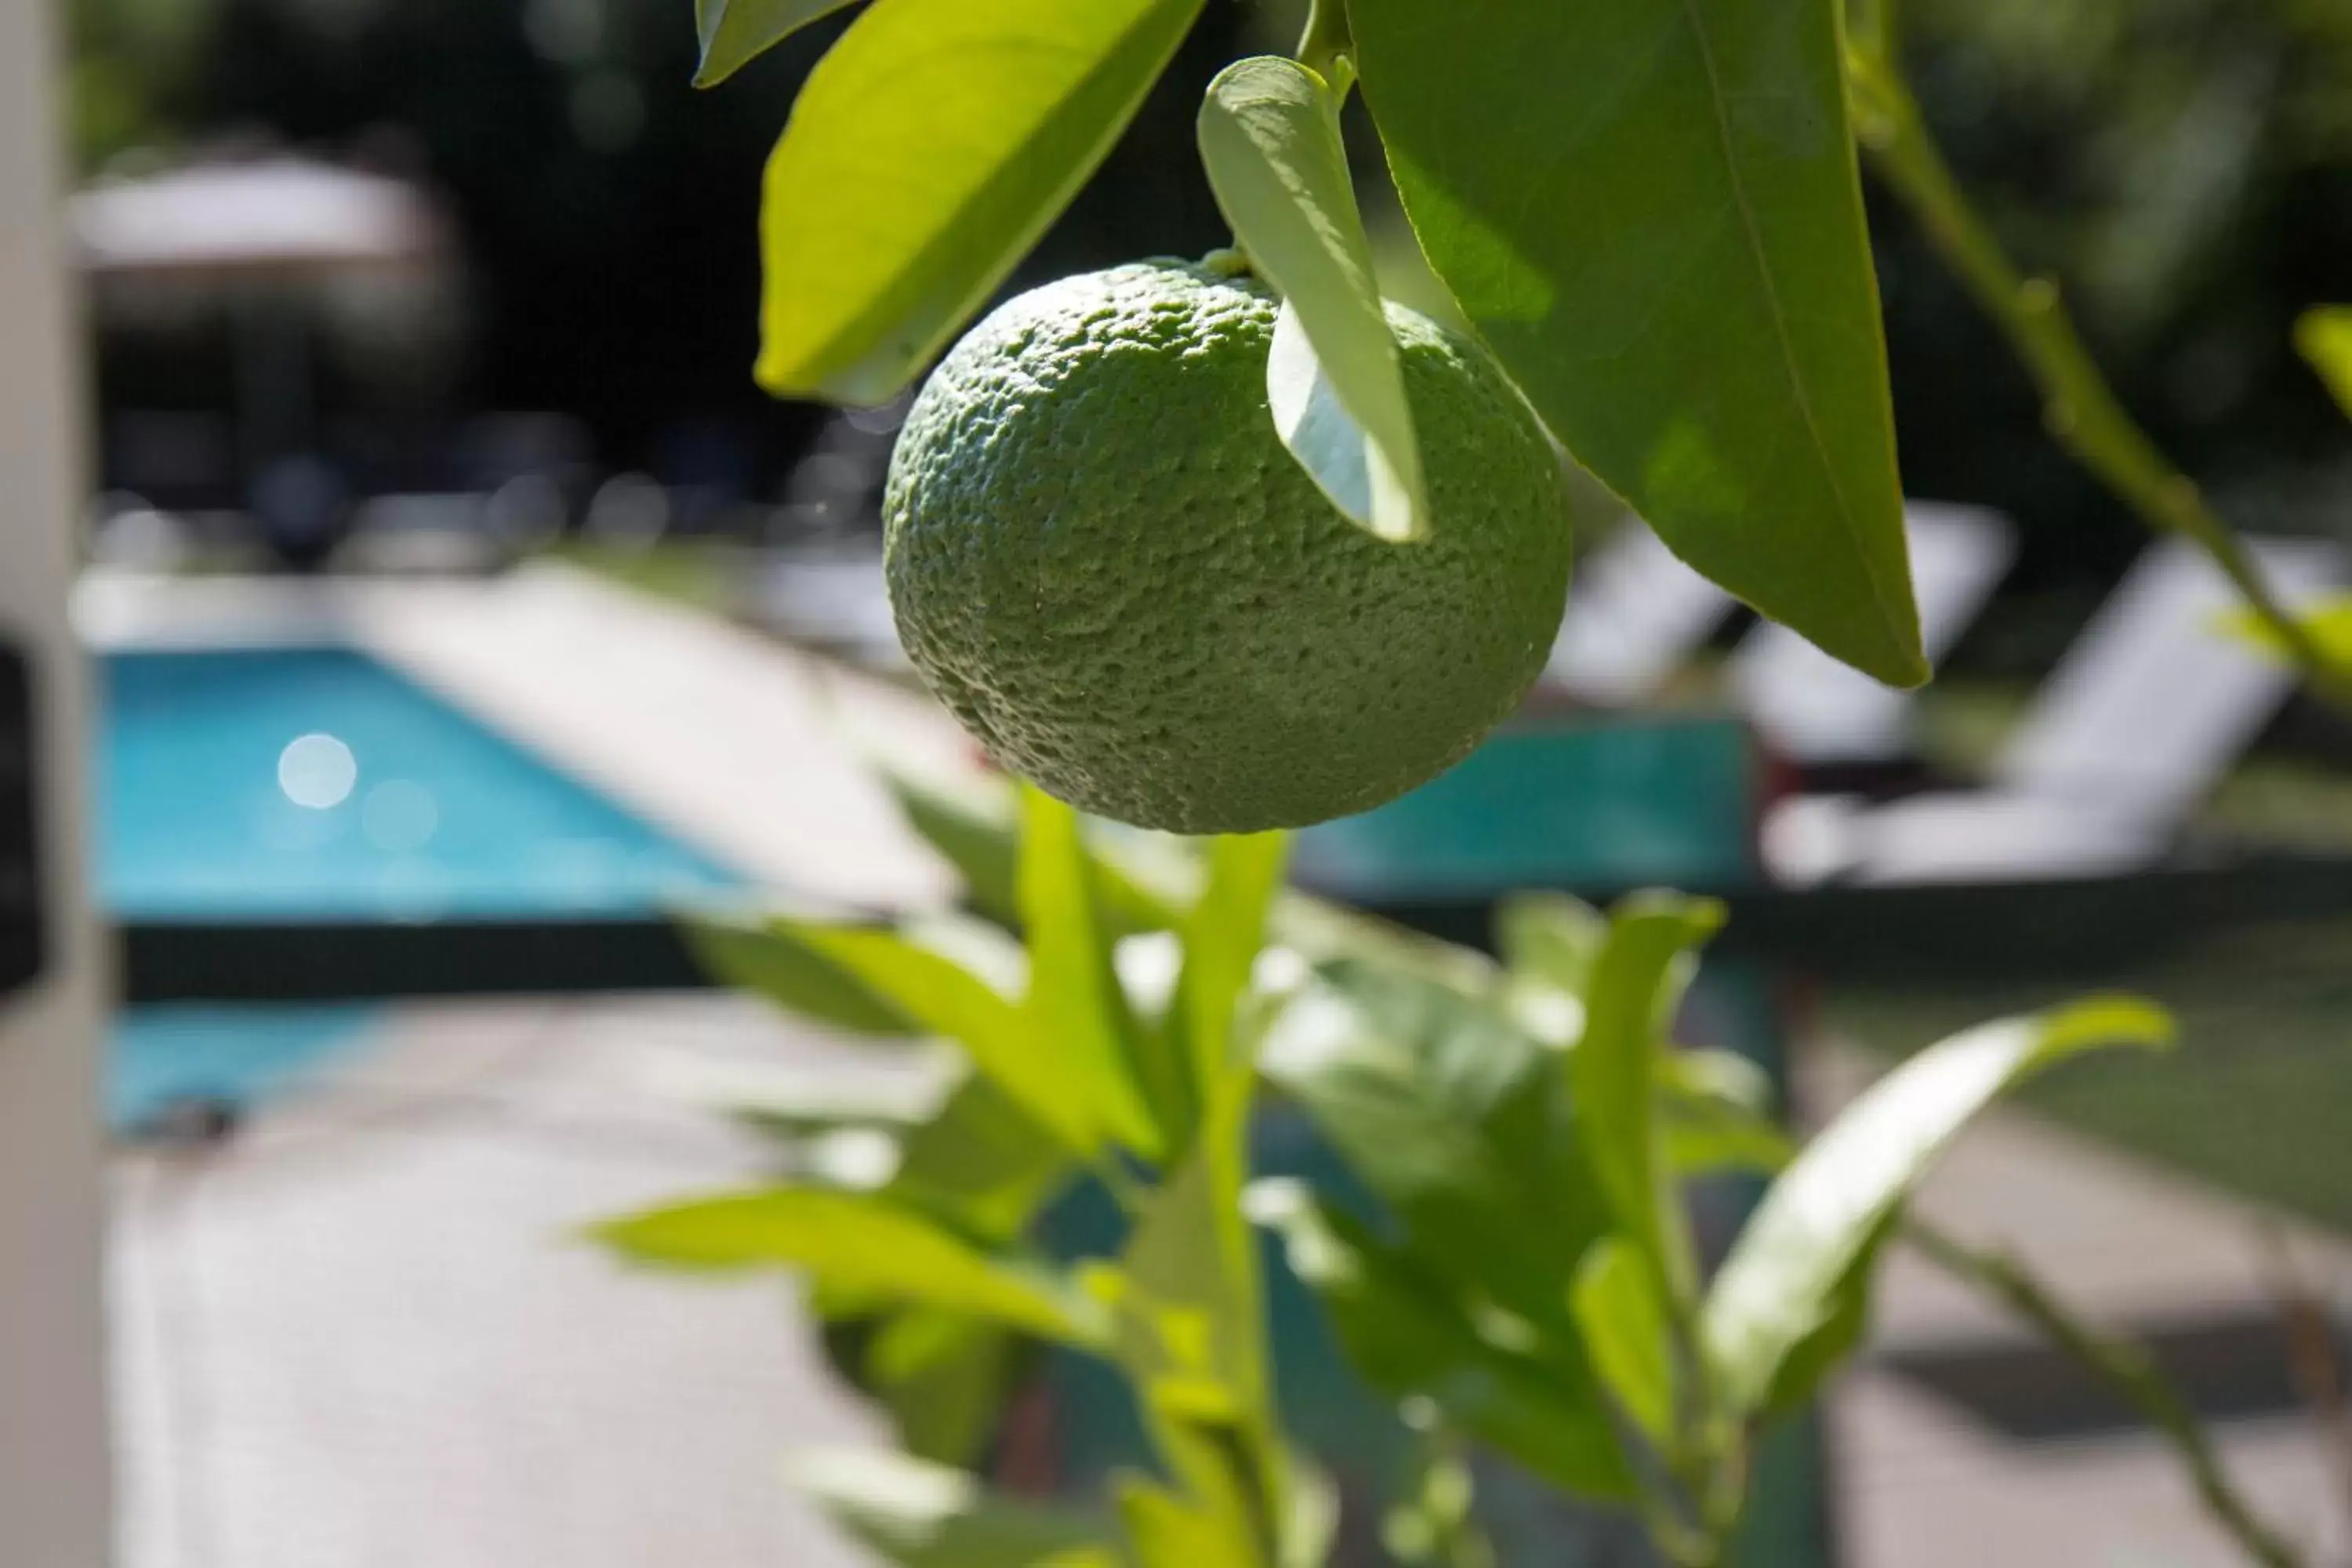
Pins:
<point x="941" y="997"/>
<point x="1269" y="134"/>
<point x="1081" y="1035"/>
<point x="1675" y="271"/>
<point x="1413" y="1329"/>
<point x="2324" y="337"/>
<point x="1792" y="1273"/>
<point x="767" y="958"/>
<point x="860" y="1246"/>
<point x="930" y="148"/>
<point x="736" y="32"/>
<point x="1451" y="1115"/>
<point x="917" y="1515"/>
<point x="1637" y="983"/>
<point x="1625" y="1331"/>
<point x="1223" y="935"/>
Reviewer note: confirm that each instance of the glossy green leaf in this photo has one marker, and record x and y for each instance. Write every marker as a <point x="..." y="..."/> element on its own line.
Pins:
<point x="1783" y="1278"/>
<point x="976" y="825"/>
<point x="1270" y="141"/>
<point x="1637" y="985"/>
<point x="982" y="1163"/>
<point x="1843" y="1323"/>
<point x="2324" y="336"/>
<point x="930" y="148"/>
<point x="1414" y="1330"/>
<point x="1191" y="1315"/>
<point x="1551" y="937"/>
<point x="1191" y="1312"/>
<point x="1223" y="933"/>
<point x="1650" y="209"/>
<point x="1705" y="1138"/>
<point x="1079" y="1020"/>
<point x="1167" y="1530"/>
<point x="1716" y="1112"/>
<point x="768" y="958"/>
<point x="1549" y="943"/>
<point x="944" y="1377"/>
<point x="1451" y="1114"/>
<point x="736" y="32"/>
<point x="859" y="1243"/>
<point x="912" y="1514"/>
<point x="1626" y="1335"/>
<point x="943" y="998"/>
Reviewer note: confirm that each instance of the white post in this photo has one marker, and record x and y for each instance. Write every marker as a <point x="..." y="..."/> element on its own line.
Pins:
<point x="55" y="1458"/>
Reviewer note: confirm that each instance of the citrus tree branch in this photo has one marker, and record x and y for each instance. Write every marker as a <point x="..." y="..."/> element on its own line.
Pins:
<point x="2080" y="408"/>
<point x="2127" y="1369"/>
<point x="1870" y="24"/>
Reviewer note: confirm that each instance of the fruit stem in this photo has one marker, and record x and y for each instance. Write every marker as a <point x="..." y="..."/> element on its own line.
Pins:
<point x="1328" y="47"/>
<point x="1232" y="261"/>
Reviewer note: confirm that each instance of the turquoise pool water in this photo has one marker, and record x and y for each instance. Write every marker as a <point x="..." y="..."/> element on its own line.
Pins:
<point x="316" y="783"/>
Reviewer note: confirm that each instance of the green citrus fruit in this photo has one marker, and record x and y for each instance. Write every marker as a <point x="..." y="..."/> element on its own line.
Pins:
<point x="1101" y="558"/>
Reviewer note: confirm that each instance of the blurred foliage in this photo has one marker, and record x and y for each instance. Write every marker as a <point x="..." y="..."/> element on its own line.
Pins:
<point x="608" y="208"/>
<point x="129" y="57"/>
<point x="2184" y="168"/>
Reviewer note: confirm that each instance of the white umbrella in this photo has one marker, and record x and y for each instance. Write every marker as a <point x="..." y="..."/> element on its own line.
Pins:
<point x="280" y="215"/>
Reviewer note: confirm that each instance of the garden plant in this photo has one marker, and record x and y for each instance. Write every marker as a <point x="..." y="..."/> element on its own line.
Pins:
<point x="1231" y="545"/>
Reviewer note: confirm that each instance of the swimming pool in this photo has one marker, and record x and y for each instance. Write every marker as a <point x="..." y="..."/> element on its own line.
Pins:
<point x="315" y="783"/>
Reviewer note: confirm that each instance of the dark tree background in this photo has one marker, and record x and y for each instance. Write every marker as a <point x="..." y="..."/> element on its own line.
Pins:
<point x="2184" y="165"/>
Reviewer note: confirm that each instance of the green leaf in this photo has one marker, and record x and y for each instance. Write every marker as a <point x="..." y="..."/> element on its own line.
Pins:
<point x="944" y="999"/>
<point x="1782" y="1279"/>
<point x="1191" y="1313"/>
<point x="768" y="958"/>
<point x="1650" y="209"/>
<point x="1081" y="1029"/>
<point x="976" y="825"/>
<point x="1637" y="983"/>
<point x="736" y="32"/>
<point x="1626" y="1333"/>
<point x="1270" y="141"/>
<point x="1190" y="1309"/>
<point x="1224" y="933"/>
<point x="1716" y="1108"/>
<point x="930" y="148"/>
<point x="944" y="1378"/>
<point x="1706" y="1138"/>
<point x="1167" y="1531"/>
<point x="1450" y="1114"/>
<point x="2324" y="336"/>
<point x="1549" y="943"/>
<point x="918" y="1515"/>
<point x="1411" y="1332"/>
<point x="1550" y="936"/>
<point x="860" y="1243"/>
<point x="1843" y="1323"/>
<point x="982" y="1163"/>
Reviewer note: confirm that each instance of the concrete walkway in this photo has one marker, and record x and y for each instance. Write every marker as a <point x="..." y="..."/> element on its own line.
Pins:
<point x="366" y="1333"/>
